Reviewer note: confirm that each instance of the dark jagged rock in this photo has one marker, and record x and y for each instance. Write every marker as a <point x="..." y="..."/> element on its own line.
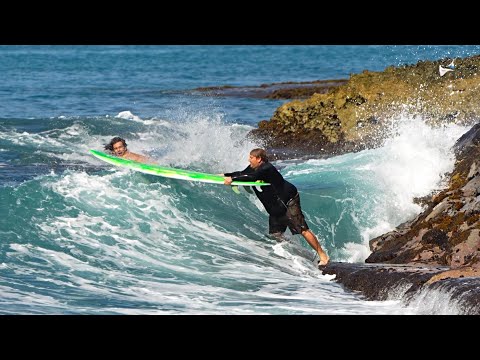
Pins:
<point x="467" y="140"/>
<point x="465" y="290"/>
<point x="378" y="281"/>
<point x="374" y="280"/>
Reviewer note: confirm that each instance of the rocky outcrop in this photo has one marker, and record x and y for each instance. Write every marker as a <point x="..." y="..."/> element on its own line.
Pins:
<point x="447" y="232"/>
<point x="353" y="116"/>
<point x="406" y="282"/>
<point x="439" y="249"/>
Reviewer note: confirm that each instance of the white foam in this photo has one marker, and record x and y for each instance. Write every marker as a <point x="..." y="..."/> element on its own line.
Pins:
<point x="127" y="115"/>
<point x="381" y="184"/>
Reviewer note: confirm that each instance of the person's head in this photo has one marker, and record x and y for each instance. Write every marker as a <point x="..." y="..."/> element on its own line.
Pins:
<point x="257" y="157"/>
<point x="117" y="145"/>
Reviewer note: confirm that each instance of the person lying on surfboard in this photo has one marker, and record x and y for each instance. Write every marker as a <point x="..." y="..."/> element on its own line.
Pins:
<point x="118" y="147"/>
<point x="281" y="200"/>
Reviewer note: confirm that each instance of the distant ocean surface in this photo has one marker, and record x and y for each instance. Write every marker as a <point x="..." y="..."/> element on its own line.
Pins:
<point x="78" y="236"/>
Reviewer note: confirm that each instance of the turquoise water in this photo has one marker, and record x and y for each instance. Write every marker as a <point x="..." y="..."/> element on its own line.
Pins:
<point x="79" y="236"/>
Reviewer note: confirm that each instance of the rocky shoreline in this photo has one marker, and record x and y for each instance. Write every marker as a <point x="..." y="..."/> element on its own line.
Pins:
<point x="439" y="249"/>
<point x="408" y="283"/>
<point x="358" y="114"/>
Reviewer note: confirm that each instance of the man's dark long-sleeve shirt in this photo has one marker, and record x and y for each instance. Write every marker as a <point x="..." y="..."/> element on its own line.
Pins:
<point x="273" y="197"/>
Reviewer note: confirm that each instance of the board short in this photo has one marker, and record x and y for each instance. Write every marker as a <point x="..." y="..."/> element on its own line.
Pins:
<point x="293" y="219"/>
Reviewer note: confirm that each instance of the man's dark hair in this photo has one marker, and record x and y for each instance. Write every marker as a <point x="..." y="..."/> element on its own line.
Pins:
<point x="116" y="139"/>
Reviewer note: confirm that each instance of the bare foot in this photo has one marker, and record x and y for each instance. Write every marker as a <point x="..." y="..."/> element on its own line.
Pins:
<point x="324" y="259"/>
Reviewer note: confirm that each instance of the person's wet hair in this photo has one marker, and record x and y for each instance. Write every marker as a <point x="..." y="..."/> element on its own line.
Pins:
<point x="262" y="154"/>
<point x="116" y="139"/>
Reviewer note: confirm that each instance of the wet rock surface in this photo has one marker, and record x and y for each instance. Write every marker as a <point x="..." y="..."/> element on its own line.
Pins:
<point x="387" y="281"/>
<point x="374" y="280"/>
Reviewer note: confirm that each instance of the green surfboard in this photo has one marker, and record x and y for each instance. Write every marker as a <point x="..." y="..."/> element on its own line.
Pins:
<point x="168" y="172"/>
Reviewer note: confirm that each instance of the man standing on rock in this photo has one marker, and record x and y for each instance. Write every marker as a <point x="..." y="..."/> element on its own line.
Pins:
<point x="281" y="200"/>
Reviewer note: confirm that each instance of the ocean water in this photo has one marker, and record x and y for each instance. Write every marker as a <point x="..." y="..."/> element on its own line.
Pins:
<point x="78" y="236"/>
